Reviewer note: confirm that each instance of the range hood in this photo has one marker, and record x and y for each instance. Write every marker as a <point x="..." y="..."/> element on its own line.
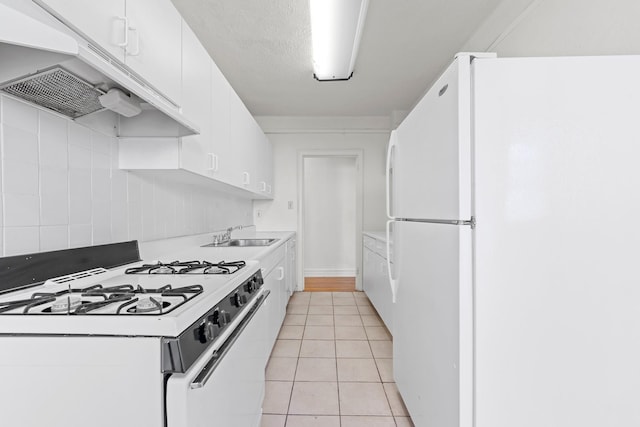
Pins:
<point x="44" y="62"/>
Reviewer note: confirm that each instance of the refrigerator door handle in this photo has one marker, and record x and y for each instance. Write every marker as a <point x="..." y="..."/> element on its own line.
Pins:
<point x="392" y="282"/>
<point x="393" y="142"/>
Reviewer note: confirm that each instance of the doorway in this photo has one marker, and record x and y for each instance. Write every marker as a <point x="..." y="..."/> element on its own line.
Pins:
<point x="330" y="220"/>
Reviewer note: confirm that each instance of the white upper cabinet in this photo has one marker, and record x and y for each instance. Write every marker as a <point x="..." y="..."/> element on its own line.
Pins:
<point x="143" y="34"/>
<point x="197" y="155"/>
<point x="154" y="47"/>
<point x="241" y="137"/>
<point x="103" y="22"/>
<point x="223" y="155"/>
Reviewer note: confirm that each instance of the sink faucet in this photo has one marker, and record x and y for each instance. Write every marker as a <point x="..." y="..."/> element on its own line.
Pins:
<point x="221" y="238"/>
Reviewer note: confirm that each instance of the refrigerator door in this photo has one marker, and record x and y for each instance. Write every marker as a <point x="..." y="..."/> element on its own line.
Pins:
<point x="432" y="156"/>
<point x="432" y="340"/>
<point x="556" y="246"/>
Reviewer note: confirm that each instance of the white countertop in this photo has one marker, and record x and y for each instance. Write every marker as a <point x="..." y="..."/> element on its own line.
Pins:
<point x="190" y="247"/>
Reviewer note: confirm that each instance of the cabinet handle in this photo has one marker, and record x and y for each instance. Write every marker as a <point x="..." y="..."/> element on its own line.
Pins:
<point x="281" y="270"/>
<point x="126" y="31"/>
<point x="213" y="162"/>
<point x="137" y="51"/>
<point x="247" y="178"/>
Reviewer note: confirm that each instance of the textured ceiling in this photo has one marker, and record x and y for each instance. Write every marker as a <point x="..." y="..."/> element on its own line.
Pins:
<point x="263" y="47"/>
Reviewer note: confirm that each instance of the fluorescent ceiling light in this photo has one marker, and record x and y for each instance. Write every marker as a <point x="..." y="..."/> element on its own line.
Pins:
<point x="336" y="27"/>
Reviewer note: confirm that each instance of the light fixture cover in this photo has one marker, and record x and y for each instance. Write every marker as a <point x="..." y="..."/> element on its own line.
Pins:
<point x="123" y="104"/>
<point x="336" y="28"/>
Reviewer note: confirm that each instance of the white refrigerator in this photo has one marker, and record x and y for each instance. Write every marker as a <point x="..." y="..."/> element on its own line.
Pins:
<point x="514" y="195"/>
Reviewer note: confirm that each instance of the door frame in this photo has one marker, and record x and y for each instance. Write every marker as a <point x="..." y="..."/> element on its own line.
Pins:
<point x="356" y="154"/>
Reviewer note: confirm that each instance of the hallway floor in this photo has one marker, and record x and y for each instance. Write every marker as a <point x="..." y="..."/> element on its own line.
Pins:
<point x="332" y="366"/>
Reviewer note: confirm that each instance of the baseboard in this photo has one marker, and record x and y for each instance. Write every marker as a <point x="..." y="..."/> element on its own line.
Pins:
<point x="320" y="272"/>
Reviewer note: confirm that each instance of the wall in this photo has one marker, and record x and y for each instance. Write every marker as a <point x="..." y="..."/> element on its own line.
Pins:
<point x="288" y="137"/>
<point x="61" y="188"/>
<point x="560" y="27"/>
<point x="330" y="216"/>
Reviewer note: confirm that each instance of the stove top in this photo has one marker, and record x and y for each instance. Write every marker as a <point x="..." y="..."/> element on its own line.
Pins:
<point x="114" y="303"/>
<point x="188" y="267"/>
<point x="99" y="299"/>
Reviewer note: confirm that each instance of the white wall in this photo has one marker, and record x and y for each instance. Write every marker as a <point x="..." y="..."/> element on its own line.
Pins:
<point x="61" y="187"/>
<point x="560" y="27"/>
<point x="275" y="214"/>
<point x="329" y="216"/>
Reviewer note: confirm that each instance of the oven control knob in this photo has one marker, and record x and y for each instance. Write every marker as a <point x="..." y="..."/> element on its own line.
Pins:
<point x="259" y="280"/>
<point x="250" y="287"/>
<point x="221" y="318"/>
<point x="206" y="332"/>
<point x="238" y="300"/>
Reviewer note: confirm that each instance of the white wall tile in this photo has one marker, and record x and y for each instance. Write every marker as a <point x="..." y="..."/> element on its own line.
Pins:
<point x="101" y="143"/>
<point x="54" y="196"/>
<point x="62" y="187"/>
<point x="134" y="218"/>
<point x="53" y="238"/>
<point x="79" y="196"/>
<point x="21" y="240"/>
<point x="20" y="115"/>
<point x="79" y="157"/>
<point x="53" y="141"/>
<point x="119" y="211"/>
<point x="21" y="210"/>
<point x="79" y="136"/>
<point x="54" y="182"/>
<point x="101" y="222"/>
<point x="100" y="185"/>
<point x="19" y="145"/>
<point x="20" y="177"/>
<point x="79" y="235"/>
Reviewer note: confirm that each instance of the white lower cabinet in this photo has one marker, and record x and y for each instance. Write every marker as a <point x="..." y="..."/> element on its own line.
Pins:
<point x="274" y="274"/>
<point x="376" y="282"/>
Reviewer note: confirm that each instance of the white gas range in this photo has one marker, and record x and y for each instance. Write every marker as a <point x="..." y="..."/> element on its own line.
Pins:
<point x="176" y="344"/>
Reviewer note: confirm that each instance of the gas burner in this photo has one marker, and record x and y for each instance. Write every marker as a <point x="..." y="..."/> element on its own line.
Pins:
<point x="188" y="267"/>
<point x="146" y="305"/>
<point x="64" y="305"/>
<point x="100" y="300"/>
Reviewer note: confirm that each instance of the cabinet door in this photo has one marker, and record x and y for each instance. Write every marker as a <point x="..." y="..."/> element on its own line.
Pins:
<point x="241" y="135"/>
<point x="102" y="22"/>
<point x="274" y="281"/>
<point x="155" y="47"/>
<point x="264" y="163"/>
<point x="196" y="153"/>
<point x="220" y="142"/>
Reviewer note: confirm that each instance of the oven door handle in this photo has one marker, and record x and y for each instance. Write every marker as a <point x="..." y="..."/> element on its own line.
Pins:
<point x="217" y="356"/>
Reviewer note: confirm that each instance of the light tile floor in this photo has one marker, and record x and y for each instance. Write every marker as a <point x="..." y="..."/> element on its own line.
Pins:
<point x="332" y="366"/>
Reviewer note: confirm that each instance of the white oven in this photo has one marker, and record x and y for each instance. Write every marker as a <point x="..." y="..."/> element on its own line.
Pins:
<point x="226" y="386"/>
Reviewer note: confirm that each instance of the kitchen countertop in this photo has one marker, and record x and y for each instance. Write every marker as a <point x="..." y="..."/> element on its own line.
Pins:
<point x="190" y="247"/>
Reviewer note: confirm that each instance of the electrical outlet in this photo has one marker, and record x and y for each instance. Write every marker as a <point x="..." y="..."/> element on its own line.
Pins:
<point x="290" y="204"/>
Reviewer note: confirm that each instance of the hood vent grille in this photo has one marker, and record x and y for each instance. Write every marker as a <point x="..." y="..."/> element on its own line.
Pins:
<point x="58" y="90"/>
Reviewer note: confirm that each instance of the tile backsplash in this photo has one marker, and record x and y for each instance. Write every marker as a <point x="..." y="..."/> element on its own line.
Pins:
<point x="61" y="188"/>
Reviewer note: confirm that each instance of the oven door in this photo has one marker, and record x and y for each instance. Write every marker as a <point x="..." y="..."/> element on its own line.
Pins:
<point x="224" y="387"/>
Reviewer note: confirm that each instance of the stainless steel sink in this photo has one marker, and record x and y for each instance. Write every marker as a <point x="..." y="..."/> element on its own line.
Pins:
<point x="243" y="243"/>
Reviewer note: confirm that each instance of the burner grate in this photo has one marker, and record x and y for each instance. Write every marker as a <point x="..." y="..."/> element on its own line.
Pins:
<point x="188" y="267"/>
